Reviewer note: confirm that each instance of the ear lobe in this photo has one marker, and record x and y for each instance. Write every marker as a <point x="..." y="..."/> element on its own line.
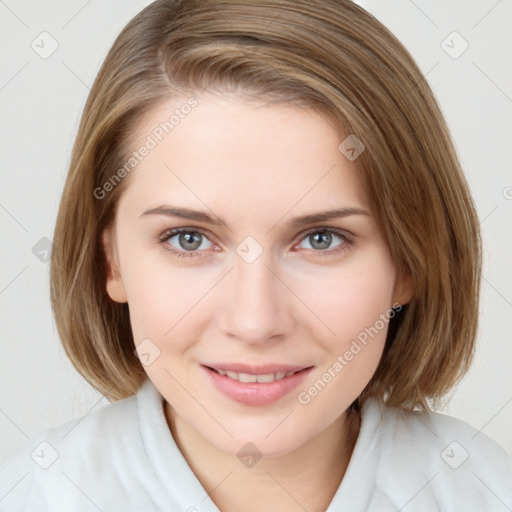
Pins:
<point x="114" y="283"/>
<point x="404" y="289"/>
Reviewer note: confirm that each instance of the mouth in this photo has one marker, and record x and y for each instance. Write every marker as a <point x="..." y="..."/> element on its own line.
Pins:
<point x="255" y="377"/>
<point x="255" y="385"/>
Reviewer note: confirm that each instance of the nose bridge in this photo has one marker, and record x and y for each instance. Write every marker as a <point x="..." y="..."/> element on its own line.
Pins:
<point x="256" y="307"/>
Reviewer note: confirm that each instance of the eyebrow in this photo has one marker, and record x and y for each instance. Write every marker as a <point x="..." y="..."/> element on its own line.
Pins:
<point x="296" y="222"/>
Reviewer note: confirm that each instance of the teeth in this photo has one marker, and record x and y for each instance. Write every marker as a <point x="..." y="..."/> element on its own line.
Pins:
<point x="268" y="377"/>
<point x="247" y="377"/>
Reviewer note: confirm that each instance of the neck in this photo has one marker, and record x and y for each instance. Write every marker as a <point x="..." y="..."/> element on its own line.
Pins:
<point x="306" y="478"/>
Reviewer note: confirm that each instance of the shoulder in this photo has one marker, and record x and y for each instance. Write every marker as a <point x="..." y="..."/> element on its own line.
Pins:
<point x="439" y="459"/>
<point x="61" y="464"/>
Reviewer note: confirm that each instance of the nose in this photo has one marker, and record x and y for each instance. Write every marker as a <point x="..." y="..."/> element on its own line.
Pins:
<point x="258" y="307"/>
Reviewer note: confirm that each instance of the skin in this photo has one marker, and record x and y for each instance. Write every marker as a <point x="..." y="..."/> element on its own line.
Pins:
<point x="256" y="167"/>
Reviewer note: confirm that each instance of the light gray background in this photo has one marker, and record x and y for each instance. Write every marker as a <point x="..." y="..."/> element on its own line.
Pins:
<point x="40" y="104"/>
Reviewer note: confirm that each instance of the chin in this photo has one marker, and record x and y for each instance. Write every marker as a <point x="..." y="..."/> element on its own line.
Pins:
<point x="263" y="441"/>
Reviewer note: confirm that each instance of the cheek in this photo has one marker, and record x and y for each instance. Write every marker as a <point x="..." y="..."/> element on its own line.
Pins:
<point x="350" y="299"/>
<point x="157" y="298"/>
<point x="356" y="307"/>
<point x="359" y="315"/>
<point x="164" y="300"/>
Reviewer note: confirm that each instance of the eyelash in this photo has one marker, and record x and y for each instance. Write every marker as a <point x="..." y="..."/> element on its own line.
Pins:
<point x="167" y="235"/>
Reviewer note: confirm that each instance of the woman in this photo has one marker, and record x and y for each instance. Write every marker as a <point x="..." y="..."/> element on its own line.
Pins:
<point x="267" y="257"/>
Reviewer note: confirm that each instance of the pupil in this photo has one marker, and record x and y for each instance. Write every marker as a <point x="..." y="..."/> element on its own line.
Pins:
<point x="321" y="240"/>
<point x="190" y="240"/>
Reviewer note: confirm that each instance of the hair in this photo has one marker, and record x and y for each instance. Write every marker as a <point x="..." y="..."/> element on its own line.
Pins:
<point x="334" y="57"/>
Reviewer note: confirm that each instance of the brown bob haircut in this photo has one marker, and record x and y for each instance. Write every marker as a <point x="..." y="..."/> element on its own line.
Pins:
<point x="334" y="57"/>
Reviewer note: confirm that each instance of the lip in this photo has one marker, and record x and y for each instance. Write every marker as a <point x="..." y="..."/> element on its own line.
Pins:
<point x="255" y="393"/>
<point x="259" y="369"/>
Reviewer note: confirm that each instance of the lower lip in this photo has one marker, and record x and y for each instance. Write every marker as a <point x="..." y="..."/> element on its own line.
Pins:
<point x="255" y="393"/>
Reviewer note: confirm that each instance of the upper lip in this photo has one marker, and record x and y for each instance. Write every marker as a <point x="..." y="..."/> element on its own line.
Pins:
<point x="260" y="369"/>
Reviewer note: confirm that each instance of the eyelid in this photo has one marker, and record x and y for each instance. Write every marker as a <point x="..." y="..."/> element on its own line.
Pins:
<point x="168" y="233"/>
<point x="338" y="231"/>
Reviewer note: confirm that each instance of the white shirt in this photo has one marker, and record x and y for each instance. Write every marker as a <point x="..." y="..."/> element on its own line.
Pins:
<point x="123" y="458"/>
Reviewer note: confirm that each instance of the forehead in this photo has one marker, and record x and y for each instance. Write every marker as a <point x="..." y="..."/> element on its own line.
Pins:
<point x="241" y="157"/>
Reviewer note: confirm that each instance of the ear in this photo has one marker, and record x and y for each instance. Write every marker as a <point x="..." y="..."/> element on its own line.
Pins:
<point x="114" y="284"/>
<point x="404" y="288"/>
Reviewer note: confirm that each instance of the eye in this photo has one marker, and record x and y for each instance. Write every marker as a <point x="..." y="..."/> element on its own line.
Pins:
<point x="185" y="242"/>
<point x="325" y="240"/>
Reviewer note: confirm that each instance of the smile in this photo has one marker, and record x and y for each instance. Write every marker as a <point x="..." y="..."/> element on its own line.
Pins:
<point x="247" y="377"/>
<point x="255" y="385"/>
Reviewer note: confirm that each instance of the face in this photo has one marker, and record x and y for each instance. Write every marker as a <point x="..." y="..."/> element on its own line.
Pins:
<point x="259" y="286"/>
